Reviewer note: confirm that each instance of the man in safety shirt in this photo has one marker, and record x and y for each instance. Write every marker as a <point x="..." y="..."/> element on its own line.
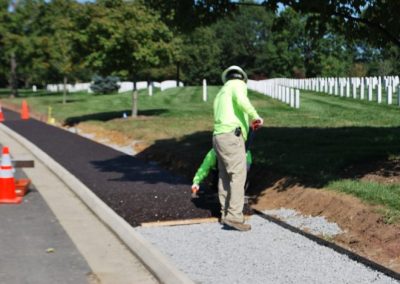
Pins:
<point x="232" y="111"/>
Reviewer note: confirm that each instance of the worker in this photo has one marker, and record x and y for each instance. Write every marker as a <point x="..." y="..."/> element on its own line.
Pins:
<point x="232" y="115"/>
<point x="210" y="164"/>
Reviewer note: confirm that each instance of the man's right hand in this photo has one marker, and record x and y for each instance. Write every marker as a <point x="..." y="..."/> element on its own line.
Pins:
<point x="195" y="187"/>
<point x="195" y="190"/>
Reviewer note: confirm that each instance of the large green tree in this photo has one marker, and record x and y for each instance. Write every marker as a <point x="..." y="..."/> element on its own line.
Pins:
<point x="65" y="34"/>
<point x="201" y="56"/>
<point x="375" y="20"/>
<point x="126" y="39"/>
<point x="12" y="41"/>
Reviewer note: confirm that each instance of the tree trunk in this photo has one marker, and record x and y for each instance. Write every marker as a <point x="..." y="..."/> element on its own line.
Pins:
<point x="13" y="76"/>
<point x="65" y="90"/>
<point x="177" y="73"/>
<point x="134" y="101"/>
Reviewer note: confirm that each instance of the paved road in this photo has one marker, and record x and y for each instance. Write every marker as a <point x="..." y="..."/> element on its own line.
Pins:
<point x="137" y="191"/>
<point x="52" y="237"/>
<point x="34" y="246"/>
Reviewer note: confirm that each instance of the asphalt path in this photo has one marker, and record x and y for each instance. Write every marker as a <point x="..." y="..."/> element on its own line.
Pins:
<point x="135" y="190"/>
<point x="34" y="246"/>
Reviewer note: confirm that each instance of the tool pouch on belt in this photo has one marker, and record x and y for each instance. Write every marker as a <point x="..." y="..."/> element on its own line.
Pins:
<point x="238" y="131"/>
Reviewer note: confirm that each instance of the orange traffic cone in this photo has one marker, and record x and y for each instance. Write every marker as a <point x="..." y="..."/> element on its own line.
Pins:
<point x="24" y="110"/>
<point x="1" y="115"/>
<point x="7" y="182"/>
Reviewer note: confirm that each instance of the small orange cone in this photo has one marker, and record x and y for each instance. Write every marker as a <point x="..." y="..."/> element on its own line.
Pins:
<point x="7" y="181"/>
<point x="24" y="110"/>
<point x="1" y="115"/>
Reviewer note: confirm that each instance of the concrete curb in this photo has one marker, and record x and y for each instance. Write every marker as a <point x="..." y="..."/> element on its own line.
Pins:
<point x="158" y="264"/>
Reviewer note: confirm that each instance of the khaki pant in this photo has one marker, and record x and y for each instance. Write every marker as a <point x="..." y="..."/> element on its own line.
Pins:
<point x="231" y="154"/>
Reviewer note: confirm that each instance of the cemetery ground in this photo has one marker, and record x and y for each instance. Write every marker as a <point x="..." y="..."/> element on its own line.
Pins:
<point x="334" y="157"/>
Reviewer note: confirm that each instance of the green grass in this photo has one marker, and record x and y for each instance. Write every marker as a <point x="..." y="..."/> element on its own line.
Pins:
<point x="317" y="143"/>
<point x="374" y="193"/>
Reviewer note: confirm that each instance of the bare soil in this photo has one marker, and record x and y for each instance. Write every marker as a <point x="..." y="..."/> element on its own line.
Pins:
<point x="364" y="226"/>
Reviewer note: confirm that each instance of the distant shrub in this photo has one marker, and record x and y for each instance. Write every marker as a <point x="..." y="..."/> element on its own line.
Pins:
<point x="104" y="85"/>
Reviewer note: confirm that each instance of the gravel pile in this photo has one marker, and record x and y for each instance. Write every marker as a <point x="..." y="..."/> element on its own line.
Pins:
<point x="207" y="253"/>
<point x="315" y="225"/>
<point x="127" y="149"/>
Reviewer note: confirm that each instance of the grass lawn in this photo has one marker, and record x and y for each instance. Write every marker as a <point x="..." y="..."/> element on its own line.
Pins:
<point x="318" y="144"/>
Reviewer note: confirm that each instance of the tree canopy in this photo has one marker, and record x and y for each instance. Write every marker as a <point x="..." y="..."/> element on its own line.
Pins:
<point x="66" y="40"/>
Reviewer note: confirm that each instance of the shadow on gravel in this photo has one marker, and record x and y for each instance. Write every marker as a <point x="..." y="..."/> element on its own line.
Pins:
<point x="105" y="116"/>
<point x="310" y="157"/>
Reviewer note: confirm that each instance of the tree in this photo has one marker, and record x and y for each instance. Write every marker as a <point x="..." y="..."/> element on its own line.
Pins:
<point x="201" y="59"/>
<point x="125" y="39"/>
<point x="374" y="20"/>
<point x="286" y="52"/>
<point x="243" y="36"/>
<point x="11" y="40"/>
<point x="64" y="58"/>
<point x="187" y="15"/>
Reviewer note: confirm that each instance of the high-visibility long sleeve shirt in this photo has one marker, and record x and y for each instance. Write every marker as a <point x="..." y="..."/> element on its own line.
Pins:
<point x="210" y="163"/>
<point x="233" y="109"/>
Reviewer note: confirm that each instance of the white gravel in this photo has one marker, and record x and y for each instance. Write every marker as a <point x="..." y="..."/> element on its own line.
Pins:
<point x="314" y="225"/>
<point x="266" y="254"/>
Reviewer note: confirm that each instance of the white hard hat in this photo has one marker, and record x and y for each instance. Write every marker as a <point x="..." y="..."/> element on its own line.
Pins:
<point x="236" y="68"/>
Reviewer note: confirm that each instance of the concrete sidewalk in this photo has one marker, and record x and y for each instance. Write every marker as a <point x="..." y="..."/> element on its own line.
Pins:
<point x="53" y="238"/>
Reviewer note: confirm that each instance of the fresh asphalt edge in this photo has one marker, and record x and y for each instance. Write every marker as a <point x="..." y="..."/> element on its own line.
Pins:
<point x="158" y="264"/>
<point x="367" y="262"/>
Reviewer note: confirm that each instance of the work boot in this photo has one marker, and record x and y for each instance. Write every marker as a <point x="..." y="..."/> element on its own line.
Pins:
<point x="240" y="226"/>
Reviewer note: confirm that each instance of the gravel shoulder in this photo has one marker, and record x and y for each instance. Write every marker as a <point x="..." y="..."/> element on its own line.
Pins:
<point x="268" y="253"/>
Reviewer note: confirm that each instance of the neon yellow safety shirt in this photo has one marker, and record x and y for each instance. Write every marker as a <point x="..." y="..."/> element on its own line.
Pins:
<point x="233" y="109"/>
<point x="210" y="163"/>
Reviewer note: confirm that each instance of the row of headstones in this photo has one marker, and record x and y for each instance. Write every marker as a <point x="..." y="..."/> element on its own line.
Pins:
<point x="164" y="85"/>
<point x="276" y="89"/>
<point x="123" y="86"/>
<point x="355" y="87"/>
<point x="290" y="96"/>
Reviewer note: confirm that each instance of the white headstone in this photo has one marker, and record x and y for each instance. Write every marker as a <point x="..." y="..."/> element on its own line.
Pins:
<point x="379" y="98"/>
<point x="336" y="90"/>
<point x="389" y="95"/>
<point x="348" y="88"/>
<point x="287" y="100"/>
<point x="362" y="88"/>
<point x="204" y="90"/>
<point x="370" y="87"/>
<point x="292" y="97"/>
<point x="297" y="99"/>
<point x="341" y="83"/>
<point x="354" y="89"/>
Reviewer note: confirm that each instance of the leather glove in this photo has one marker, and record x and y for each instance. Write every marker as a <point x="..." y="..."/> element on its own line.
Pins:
<point x="257" y="123"/>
